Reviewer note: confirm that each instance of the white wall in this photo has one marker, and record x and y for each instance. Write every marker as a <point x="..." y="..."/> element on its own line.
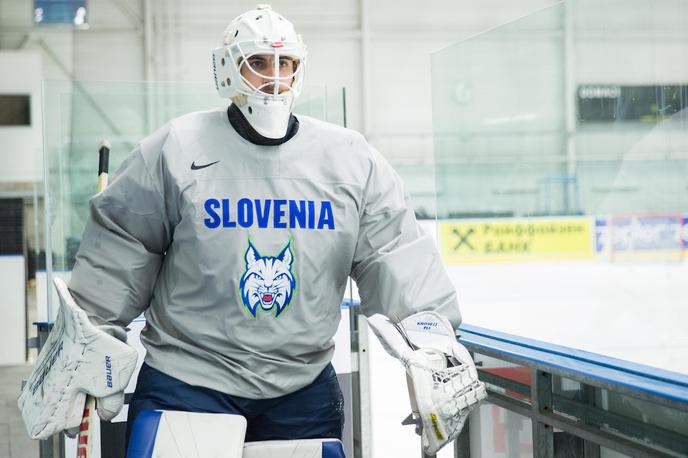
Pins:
<point x="13" y="306"/>
<point x="378" y="50"/>
<point x="21" y="146"/>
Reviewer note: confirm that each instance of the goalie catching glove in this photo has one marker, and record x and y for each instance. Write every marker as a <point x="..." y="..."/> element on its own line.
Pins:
<point x="76" y="360"/>
<point x="442" y="378"/>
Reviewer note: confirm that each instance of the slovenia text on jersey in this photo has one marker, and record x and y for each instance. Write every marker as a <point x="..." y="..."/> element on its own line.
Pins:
<point x="264" y="213"/>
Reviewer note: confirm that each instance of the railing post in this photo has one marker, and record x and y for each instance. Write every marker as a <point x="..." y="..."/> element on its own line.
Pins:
<point x="590" y="449"/>
<point x="541" y="395"/>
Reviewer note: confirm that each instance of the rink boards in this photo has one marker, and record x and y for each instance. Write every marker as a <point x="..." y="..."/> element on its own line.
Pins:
<point x="652" y="236"/>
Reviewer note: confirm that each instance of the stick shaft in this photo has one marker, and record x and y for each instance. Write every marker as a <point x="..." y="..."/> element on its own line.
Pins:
<point x="103" y="165"/>
<point x="84" y="446"/>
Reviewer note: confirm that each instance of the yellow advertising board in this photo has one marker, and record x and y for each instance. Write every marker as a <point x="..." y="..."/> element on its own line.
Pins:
<point x="516" y="240"/>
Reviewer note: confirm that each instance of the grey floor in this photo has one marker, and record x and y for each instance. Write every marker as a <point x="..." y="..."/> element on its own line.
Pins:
<point x="14" y="442"/>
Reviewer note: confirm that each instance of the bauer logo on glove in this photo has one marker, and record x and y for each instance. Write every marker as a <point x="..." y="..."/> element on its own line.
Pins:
<point x="77" y="359"/>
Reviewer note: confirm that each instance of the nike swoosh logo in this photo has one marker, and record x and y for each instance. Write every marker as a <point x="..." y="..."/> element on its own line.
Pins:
<point x="198" y="167"/>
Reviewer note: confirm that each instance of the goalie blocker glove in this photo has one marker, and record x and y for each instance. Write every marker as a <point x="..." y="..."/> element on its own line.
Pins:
<point x="76" y="360"/>
<point x="442" y="378"/>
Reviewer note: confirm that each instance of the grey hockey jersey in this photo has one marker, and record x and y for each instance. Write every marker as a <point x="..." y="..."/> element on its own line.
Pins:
<point x="239" y="254"/>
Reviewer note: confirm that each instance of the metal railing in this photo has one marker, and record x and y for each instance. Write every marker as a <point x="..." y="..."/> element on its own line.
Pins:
<point x="579" y="402"/>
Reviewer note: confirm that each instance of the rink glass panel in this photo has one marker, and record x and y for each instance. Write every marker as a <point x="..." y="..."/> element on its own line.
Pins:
<point x="615" y="413"/>
<point x="497" y="432"/>
<point x="561" y="166"/>
<point x="548" y="115"/>
<point x="79" y="115"/>
<point x="504" y="377"/>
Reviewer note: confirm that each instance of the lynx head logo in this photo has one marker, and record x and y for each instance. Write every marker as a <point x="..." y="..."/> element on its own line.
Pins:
<point x="268" y="282"/>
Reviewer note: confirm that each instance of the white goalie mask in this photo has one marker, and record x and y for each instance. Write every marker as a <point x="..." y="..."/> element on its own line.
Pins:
<point x="260" y="66"/>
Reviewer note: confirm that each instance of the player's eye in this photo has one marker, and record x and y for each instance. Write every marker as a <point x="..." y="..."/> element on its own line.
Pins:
<point x="257" y="63"/>
<point x="288" y="64"/>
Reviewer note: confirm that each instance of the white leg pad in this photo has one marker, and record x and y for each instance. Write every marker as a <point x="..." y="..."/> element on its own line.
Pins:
<point x="303" y="448"/>
<point x="170" y="434"/>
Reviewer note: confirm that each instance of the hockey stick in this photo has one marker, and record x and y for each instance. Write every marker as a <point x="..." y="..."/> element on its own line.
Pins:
<point x="103" y="163"/>
<point x="84" y="444"/>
